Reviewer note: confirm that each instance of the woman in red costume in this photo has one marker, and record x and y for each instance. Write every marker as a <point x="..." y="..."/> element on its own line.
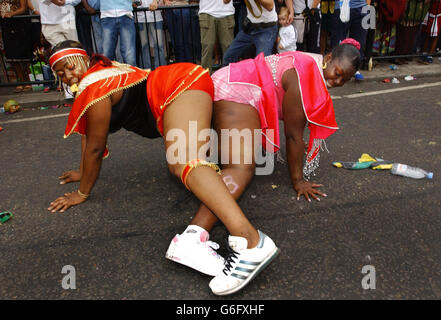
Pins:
<point x="109" y="96"/>
<point x="253" y="95"/>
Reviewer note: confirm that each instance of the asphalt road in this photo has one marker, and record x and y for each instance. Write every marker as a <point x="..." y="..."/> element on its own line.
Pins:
<point x="116" y="241"/>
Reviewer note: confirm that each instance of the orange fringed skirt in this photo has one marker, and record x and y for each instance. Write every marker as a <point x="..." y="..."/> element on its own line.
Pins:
<point x="166" y="83"/>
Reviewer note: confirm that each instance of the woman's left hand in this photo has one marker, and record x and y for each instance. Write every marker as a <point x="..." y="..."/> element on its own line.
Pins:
<point x="308" y="190"/>
<point x="70" y="199"/>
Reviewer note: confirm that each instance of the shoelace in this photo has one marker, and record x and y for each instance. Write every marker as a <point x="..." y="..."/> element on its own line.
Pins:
<point x="229" y="259"/>
<point x="212" y="247"/>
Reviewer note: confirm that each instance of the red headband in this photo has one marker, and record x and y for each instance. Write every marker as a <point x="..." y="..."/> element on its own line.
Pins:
<point x="57" y="56"/>
<point x="354" y="42"/>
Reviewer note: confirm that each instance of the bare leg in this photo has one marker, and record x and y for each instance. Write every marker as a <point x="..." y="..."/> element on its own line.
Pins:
<point x="205" y="183"/>
<point x="238" y="180"/>
<point x="230" y="115"/>
<point x="433" y="44"/>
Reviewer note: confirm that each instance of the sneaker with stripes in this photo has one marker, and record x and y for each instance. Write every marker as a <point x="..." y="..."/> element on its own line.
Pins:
<point x="242" y="264"/>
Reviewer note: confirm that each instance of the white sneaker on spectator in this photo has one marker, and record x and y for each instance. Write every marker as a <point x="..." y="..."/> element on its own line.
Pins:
<point x="242" y="264"/>
<point x="193" y="249"/>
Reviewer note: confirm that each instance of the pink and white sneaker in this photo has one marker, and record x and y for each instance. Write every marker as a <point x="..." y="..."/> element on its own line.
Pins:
<point x="193" y="249"/>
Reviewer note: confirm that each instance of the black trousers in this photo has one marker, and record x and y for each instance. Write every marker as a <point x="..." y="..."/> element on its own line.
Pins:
<point x="312" y="38"/>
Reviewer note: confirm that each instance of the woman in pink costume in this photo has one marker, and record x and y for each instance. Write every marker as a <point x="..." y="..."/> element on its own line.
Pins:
<point x="255" y="94"/>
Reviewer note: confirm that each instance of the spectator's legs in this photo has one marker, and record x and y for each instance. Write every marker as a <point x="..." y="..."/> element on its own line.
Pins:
<point x="179" y="27"/>
<point x="97" y="33"/>
<point x="169" y="16"/>
<point x="110" y="28"/>
<point x="264" y="40"/>
<point x="225" y="32"/>
<point x="241" y="16"/>
<point x="156" y="34"/>
<point x="128" y="40"/>
<point x="185" y="35"/>
<point x="84" y="25"/>
<point x="69" y="30"/>
<point x="356" y="29"/>
<point x="48" y="75"/>
<point x="240" y="44"/>
<point x="339" y="29"/>
<point x="433" y="45"/>
<point x="439" y="42"/>
<point x="208" y="39"/>
<point x="53" y="33"/>
<point x="195" y="36"/>
<point x="119" y="57"/>
<point x="57" y="33"/>
<point x="324" y="32"/>
<point x="18" y="69"/>
<point x="145" y="62"/>
<point x="313" y="37"/>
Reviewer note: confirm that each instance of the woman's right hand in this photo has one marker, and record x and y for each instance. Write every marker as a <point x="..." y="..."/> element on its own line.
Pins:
<point x="70" y="176"/>
<point x="308" y="190"/>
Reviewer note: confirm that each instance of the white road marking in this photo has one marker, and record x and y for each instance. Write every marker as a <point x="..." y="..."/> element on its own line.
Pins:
<point x="35" y="118"/>
<point x="373" y="93"/>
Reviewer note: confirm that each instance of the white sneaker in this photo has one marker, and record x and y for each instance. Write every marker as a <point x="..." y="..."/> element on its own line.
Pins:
<point x="242" y="264"/>
<point x="192" y="249"/>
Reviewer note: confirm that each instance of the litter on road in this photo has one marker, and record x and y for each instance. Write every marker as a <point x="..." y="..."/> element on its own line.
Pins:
<point x="5" y="216"/>
<point x="365" y="161"/>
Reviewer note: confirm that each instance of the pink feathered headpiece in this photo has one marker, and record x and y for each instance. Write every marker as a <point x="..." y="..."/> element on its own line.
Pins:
<point x="354" y="42"/>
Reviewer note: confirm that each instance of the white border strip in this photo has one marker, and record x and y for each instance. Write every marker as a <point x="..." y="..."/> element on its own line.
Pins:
<point x="35" y="118"/>
<point x="373" y="93"/>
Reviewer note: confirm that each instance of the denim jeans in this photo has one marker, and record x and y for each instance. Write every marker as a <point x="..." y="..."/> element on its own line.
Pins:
<point x="123" y="28"/>
<point x="182" y="34"/>
<point x="151" y="35"/>
<point x="263" y="39"/>
<point x="48" y="75"/>
<point x="97" y="33"/>
<point x="354" y="27"/>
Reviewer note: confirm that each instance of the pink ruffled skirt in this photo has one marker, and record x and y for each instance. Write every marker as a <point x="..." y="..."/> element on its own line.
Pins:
<point x="236" y="92"/>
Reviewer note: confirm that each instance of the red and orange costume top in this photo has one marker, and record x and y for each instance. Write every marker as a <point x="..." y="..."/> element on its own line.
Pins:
<point x="145" y="98"/>
<point x="262" y="75"/>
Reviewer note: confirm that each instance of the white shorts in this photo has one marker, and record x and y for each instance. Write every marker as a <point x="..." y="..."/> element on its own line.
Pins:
<point x="56" y="33"/>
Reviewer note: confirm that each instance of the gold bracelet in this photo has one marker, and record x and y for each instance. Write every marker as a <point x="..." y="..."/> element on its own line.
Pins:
<point x="82" y="195"/>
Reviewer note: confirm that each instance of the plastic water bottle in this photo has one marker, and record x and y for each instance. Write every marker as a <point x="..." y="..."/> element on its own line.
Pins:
<point x="411" y="172"/>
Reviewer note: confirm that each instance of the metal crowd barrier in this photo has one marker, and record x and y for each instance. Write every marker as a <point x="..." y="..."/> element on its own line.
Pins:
<point x="181" y="32"/>
<point x="183" y="21"/>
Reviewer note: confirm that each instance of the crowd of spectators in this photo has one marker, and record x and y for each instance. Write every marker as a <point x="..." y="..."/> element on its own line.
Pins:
<point x="214" y="32"/>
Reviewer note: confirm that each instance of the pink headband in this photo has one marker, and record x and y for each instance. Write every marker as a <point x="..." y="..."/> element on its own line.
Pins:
<point x="354" y="42"/>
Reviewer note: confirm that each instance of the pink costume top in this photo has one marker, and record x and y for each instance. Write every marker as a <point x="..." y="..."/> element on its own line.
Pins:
<point x="258" y="82"/>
